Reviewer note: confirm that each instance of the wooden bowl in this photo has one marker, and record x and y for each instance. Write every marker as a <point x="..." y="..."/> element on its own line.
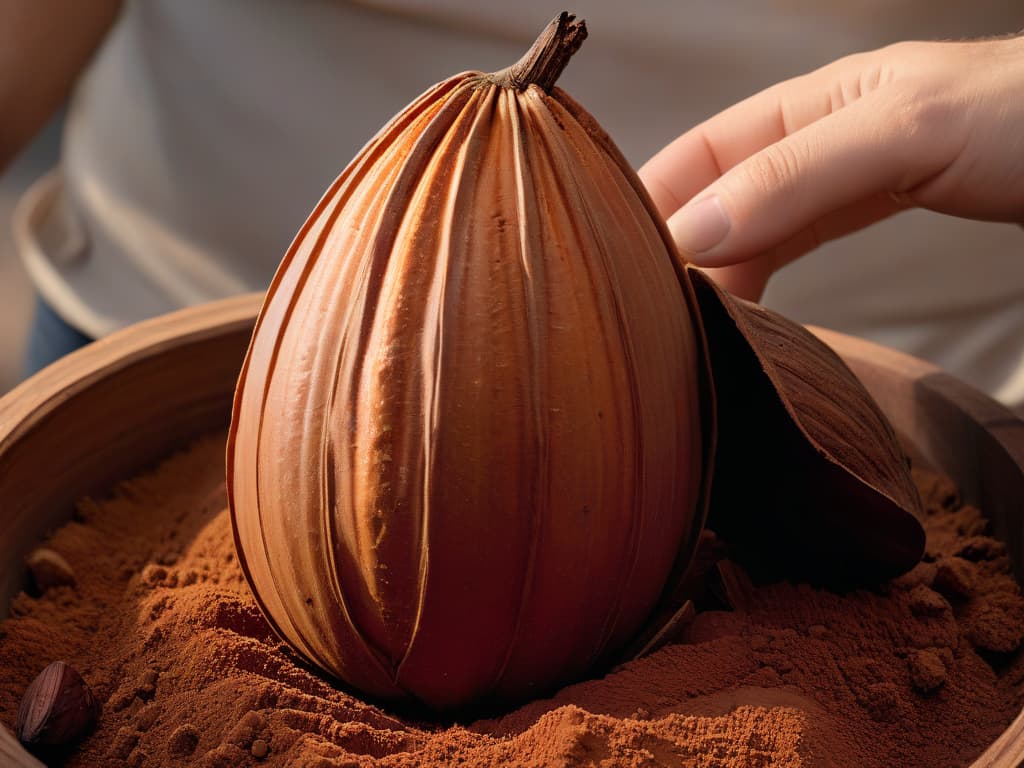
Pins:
<point x="107" y="411"/>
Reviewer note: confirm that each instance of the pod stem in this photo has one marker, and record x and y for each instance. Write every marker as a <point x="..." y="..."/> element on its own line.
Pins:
<point x="543" y="63"/>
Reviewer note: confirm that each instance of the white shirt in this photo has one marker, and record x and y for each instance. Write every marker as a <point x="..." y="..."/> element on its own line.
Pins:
<point x="204" y="132"/>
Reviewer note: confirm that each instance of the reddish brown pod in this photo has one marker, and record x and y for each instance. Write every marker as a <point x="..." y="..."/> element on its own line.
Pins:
<point x="472" y="441"/>
<point x="468" y="443"/>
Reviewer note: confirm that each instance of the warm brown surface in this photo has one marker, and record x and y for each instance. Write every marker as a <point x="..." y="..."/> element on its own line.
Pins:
<point x="162" y="625"/>
<point x="418" y="428"/>
<point x="948" y="424"/>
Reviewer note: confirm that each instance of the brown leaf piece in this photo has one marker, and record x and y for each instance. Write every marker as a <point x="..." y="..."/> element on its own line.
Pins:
<point x="668" y="632"/>
<point x="809" y="479"/>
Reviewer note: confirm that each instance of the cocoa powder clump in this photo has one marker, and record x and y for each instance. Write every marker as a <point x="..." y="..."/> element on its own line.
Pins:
<point x="183" y="741"/>
<point x="160" y="622"/>
<point x="955" y="577"/>
<point x="927" y="668"/>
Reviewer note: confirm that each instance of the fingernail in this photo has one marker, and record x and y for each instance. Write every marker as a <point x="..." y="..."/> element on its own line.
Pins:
<point x="700" y="226"/>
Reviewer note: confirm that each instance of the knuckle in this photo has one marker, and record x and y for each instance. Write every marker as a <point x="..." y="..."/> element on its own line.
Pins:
<point x="905" y="49"/>
<point x="909" y="55"/>
<point x="776" y="168"/>
<point x="919" y="113"/>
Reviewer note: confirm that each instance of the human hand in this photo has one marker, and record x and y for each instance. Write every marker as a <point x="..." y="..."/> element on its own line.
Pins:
<point x="932" y="125"/>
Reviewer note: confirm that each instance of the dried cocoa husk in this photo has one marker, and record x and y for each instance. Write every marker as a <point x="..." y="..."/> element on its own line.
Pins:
<point x="810" y="480"/>
<point x="470" y="438"/>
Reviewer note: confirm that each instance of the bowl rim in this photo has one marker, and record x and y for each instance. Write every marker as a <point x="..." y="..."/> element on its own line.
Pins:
<point x="38" y="396"/>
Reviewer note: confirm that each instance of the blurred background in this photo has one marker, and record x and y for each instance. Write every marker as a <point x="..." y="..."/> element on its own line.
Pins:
<point x="16" y="293"/>
<point x="201" y="133"/>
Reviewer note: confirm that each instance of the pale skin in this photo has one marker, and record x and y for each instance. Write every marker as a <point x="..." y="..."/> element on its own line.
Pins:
<point x="930" y="125"/>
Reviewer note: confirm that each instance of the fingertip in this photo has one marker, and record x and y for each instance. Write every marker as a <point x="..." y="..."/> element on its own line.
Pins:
<point x="699" y="228"/>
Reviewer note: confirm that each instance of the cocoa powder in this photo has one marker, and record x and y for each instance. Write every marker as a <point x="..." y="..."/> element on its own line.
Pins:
<point x="160" y="622"/>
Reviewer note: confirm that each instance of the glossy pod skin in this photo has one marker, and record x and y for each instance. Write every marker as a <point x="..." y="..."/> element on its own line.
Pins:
<point x="467" y="443"/>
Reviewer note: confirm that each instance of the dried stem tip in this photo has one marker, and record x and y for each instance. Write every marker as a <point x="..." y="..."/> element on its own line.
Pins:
<point x="543" y="63"/>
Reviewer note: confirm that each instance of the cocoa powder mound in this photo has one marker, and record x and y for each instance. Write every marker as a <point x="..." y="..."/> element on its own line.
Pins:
<point x="160" y="622"/>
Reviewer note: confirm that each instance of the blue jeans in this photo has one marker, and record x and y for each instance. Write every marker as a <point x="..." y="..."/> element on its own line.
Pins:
<point x="49" y="339"/>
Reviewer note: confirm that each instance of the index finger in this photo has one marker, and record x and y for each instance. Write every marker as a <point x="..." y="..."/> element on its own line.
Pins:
<point x="701" y="155"/>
